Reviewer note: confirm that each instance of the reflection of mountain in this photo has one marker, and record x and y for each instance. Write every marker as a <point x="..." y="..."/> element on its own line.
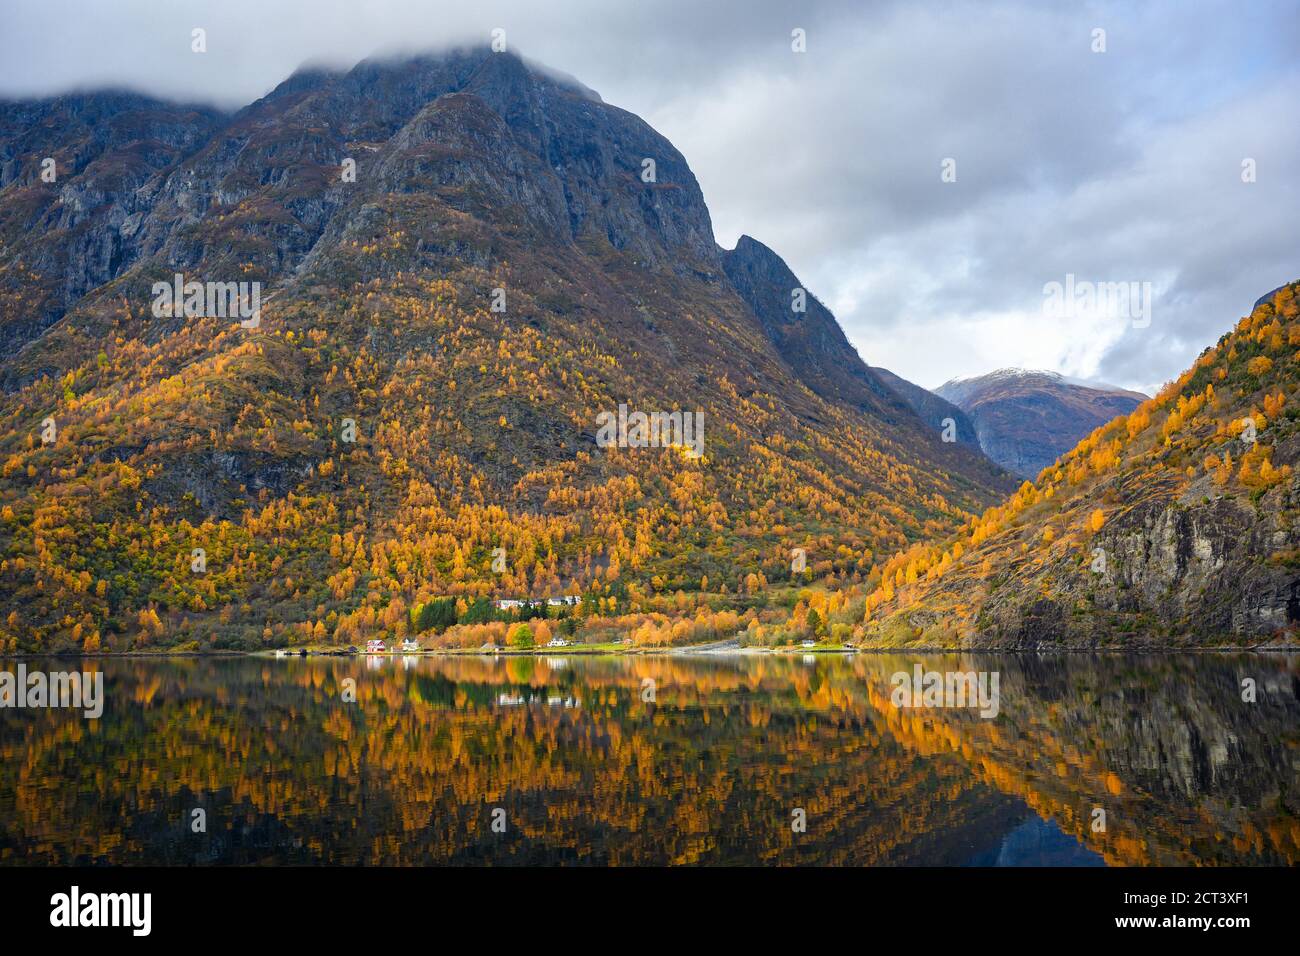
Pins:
<point x="708" y="773"/>
<point x="410" y="772"/>
<point x="1186" y="771"/>
<point x="1038" y="842"/>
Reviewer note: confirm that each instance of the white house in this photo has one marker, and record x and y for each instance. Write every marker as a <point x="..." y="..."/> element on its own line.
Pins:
<point x="569" y="600"/>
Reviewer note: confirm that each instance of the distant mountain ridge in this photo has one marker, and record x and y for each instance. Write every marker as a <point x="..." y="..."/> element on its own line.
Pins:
<point x="1026" y="418"/>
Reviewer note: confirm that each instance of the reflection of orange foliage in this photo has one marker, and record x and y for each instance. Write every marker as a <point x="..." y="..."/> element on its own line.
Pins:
<point x="585" y="764"/>
<point x="1055" y="778"/>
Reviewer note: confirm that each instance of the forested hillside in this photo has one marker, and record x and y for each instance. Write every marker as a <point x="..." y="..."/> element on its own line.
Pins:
<point x="1175" y="524"/>
<point x="464" y="261"/>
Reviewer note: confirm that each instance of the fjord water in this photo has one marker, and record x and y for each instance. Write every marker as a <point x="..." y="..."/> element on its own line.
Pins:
<point x="588" y="771"/>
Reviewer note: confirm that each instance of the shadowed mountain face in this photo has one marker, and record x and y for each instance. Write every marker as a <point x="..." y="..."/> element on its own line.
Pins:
<point x="1268" y="297"/>
<point x="815" y="346"/>
<point x="466" y="257"/>
<point x="938" y="413"/>
<point x="805" y="333"/>
<point x="77" y="177"/>
<point x="1026" y="419"/>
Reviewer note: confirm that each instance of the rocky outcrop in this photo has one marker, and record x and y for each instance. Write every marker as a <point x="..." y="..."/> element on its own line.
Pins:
<point x="1168" y="570"/>
<point x="803" y="330"/>
<point x="70" y="227"/>
<point x="250" y="196"/>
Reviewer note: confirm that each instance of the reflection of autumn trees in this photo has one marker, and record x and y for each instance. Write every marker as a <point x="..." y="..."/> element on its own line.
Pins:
<point x="589" y="772"/>
<point x="1187" y="772"/>
<point x="711" y="771"/>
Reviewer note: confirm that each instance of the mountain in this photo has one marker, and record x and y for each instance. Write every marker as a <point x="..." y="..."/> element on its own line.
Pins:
<point x="1026" y="419"/>
<point x="462" y="260"/>
<point x="813" y="343"/>
<point x="60" y="240"/>
<point x="815" y="346"/>
<point x="1268" y="296"/>
<point x="934" y="410"/>
<point x="1175" y="524"/>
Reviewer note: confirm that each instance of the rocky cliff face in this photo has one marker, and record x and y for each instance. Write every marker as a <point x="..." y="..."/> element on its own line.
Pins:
<point x="253" y="194"/>
<point x="1026" y="419"/>
<point x="1174" y="566"/>
<point x="77" y="175"/>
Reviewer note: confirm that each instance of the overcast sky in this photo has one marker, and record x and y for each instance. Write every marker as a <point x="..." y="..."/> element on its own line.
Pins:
<point x="1124" y="165"/>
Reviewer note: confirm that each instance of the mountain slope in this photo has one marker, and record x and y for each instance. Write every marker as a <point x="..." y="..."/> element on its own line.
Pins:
<point x="72" y="172"/>
<point x="1026" y="419"/>
<point x="1176" y="524"/>
<point x="815" y="347"/>
<point x="934" y="410"/>
<point x="497" y="274"/>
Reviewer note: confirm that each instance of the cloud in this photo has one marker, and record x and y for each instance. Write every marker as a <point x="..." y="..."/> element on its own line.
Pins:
<point x="1115" y="166"/>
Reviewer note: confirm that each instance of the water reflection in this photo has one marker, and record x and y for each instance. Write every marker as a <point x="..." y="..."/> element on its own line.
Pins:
<point x="591" y="772"/>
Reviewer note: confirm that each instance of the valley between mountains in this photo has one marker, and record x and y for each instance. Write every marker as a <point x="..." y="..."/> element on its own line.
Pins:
<point x="464" y="259"/>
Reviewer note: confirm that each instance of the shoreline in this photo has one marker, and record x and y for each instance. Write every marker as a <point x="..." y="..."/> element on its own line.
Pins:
<point x="688" y="651"/>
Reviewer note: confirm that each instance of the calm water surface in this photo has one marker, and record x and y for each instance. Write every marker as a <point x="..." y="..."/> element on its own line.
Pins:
<point x="588" y="772"/>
